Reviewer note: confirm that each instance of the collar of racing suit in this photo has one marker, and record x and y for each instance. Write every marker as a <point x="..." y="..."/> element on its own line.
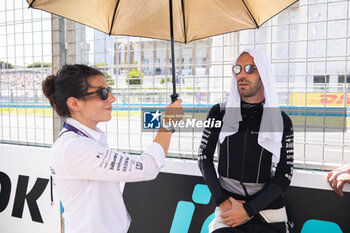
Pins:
<point x="251" y="110"/>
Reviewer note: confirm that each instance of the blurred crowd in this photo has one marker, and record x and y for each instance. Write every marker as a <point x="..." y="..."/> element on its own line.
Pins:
<point x="21" y="80"/>
<point x="21" y="86"/>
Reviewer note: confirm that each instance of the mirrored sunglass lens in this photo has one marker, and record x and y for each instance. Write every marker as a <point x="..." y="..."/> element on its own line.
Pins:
<point x="103" y="93"/>
<point x="249" y="69"/>
<point x="236" y="69"/>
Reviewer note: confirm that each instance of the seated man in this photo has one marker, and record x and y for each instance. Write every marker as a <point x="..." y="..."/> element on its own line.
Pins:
<point x="255" y="152"/>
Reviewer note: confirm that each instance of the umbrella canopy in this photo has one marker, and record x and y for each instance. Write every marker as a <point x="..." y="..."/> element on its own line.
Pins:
<point x="189" y="19"/>
<point x="193" y="19"/>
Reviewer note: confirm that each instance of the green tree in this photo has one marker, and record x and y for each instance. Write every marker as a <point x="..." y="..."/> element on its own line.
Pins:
<point x="39" y="64"/>
<point x="101" y="64"/>
<point x="162" y="81"/>
<point x="134" y="77"/>
<point x="6" y="65"/>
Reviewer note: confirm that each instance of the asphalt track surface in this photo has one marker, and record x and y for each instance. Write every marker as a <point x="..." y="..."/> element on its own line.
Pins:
<point x="125" y="133"/>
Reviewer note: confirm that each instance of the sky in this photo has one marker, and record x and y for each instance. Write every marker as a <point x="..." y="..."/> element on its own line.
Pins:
<point x="25" y="34"/>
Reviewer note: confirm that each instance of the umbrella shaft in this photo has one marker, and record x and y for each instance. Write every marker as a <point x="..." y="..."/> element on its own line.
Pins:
<point x="172" y="45"/>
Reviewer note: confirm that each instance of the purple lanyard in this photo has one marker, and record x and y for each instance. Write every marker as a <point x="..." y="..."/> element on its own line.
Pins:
<point x="75" y="130"/>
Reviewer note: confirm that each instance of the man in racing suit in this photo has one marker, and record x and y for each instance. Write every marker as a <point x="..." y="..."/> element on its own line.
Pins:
<point x="255" y="149"/>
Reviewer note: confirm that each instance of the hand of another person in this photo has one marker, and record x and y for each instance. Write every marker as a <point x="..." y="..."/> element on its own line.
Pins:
<point x="236" y="215"/>
<point x="338" y="178"/>
<point x="174" y="112"/>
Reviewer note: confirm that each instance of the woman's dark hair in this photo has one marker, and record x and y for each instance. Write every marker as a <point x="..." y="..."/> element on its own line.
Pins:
<point x="70" y="80"/>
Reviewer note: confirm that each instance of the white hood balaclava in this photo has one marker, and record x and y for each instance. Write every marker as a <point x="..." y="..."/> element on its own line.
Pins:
<point x="271" y="127"/>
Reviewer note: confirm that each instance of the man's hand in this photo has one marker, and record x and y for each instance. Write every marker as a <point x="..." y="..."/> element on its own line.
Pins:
<point x="338" y="178"/>
<point x="226" y="205"/>
<point x="236" y="215"/>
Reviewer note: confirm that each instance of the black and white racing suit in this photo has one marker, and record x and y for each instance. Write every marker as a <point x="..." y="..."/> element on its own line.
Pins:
<point x="245" y="169"/>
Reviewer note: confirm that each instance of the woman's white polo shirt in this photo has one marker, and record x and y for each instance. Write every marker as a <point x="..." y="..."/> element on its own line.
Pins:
<point x="87" y="173"/>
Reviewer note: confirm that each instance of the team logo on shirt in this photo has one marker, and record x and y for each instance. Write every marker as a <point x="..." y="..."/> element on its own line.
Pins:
<point x="139" y="166"/>
<point x="151" y="120"/>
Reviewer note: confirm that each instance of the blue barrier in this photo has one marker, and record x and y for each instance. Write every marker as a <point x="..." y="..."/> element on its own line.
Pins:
<point x="190" y="108"/>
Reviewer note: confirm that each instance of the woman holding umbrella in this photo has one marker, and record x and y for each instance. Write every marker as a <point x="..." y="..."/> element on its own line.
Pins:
<point x="86" y="171"/>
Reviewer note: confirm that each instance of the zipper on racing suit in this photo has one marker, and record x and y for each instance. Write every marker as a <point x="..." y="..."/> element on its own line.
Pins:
<point x="246" y="132"/>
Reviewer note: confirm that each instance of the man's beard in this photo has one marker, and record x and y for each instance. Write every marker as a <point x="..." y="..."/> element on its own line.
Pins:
<point x="250" y="90"/>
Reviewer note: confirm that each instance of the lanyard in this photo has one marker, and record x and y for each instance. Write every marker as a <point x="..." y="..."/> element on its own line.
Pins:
<point x="75" y="130"/>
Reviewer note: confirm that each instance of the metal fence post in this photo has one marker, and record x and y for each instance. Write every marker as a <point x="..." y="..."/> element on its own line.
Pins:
<point x="58" y="59"/>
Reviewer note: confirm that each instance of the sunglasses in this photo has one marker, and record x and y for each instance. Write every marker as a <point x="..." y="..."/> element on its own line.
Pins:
<point x="249" y="69"/>
<point x="102" y="92"/>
